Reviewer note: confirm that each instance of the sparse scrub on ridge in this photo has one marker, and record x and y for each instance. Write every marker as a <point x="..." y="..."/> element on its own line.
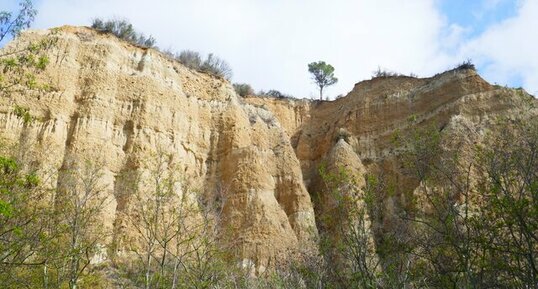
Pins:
<point x="216" y="66"/>
<point x="467" y="64"/>
<point x="124" y="30"/>
<point x="274" y="93"/>
<point x="245" y="89"/>
<point x="189" y="58"/>
<point x="383" y="73"/>
<point x="212" y="64"/>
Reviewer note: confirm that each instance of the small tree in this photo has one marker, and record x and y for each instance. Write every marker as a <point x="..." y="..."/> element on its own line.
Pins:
<point x="22" y="217"/>
<point x="20" y="65"/>
<point x="81" y="195"/>
<point x="346" y="233"/>
<point x="323" y="75"/>
<point x="177" y="230"/>
<point x="10" y="25"/>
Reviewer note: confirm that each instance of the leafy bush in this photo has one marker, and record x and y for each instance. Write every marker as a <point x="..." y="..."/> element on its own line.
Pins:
<point x="23" y="113"/>
<point x="243" y="89"/>
<point x="124" y="30"/>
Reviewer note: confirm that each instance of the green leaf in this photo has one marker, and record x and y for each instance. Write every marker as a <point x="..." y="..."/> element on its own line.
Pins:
<point x="6" y="209"/>
<point x="8" y="165"/>
<point x="42" y="62"/>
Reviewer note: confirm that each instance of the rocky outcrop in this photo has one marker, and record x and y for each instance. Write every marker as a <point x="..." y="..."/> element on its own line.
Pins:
<point x="119" y="104"/>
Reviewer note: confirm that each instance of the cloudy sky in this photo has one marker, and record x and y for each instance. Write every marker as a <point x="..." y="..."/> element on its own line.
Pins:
<point x="269" y="43"/>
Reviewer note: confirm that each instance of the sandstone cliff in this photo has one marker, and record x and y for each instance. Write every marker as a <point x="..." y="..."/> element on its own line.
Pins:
<point x="120" y="104"/>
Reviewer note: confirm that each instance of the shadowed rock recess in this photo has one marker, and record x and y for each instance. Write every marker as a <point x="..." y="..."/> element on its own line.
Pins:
<point x="119" y="104"/>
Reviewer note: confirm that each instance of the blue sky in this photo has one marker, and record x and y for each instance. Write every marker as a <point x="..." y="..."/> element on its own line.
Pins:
<point x="477" y="15"/>
<point x="269" y="43"/>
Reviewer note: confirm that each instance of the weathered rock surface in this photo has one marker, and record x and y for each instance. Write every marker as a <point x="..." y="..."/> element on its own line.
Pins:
<point x="120" y="104"/>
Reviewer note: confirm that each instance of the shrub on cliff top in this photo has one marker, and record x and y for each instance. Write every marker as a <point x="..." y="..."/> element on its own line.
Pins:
<point x="467" y="64"/>
<point x="383" y="73"/>
<point x="216" y="66"/>
<point x="212" y="64"/>
<point x="274" y="93"/>
<point x="243" y="89"/>
<point x="124" y="30"/>
<point x="191" y="59"/>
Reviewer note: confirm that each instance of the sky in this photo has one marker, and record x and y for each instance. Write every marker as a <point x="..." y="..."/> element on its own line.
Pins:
<point x="269" y="44"/>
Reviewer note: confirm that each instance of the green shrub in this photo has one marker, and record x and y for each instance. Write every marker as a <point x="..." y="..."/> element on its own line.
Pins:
<point x="24" y="113"/>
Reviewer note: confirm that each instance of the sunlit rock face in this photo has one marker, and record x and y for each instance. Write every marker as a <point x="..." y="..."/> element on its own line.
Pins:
<point x="119" y="105"/>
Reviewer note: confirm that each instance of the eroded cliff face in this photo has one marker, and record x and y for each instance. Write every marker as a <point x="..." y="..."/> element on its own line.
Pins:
<point x="120" y="105"/>
<point x="376" y="110"/>
<point x="363" y="127"/>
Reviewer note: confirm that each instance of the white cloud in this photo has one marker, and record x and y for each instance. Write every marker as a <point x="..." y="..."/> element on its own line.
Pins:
<point x="270" y="43"/>
<point x="507" y="50"/>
